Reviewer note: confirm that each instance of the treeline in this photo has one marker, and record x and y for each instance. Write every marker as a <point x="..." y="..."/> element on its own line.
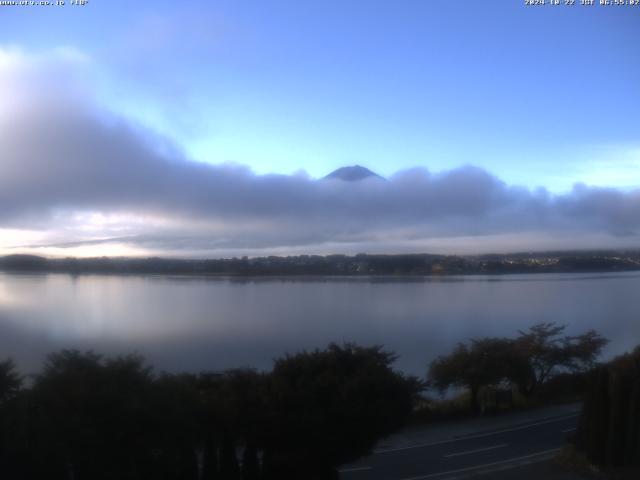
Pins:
<point x="361" y="264"/>
<point x="609" y="430"/>
<point x="530" y="363"/>
<point x="90" y="417"/>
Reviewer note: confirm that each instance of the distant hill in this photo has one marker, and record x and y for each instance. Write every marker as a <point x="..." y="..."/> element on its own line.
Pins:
<point x="361" y="264"/>
<point x="353" y="173"/>
<point x="23" y="262"/>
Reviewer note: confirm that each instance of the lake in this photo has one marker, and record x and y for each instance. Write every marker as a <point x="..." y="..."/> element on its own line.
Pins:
<point x="202" y="323"/>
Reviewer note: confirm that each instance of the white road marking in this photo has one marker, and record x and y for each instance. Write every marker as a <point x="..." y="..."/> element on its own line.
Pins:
<point x="471" y="437"/>
<point x="354" y="469"/>
<point x="478" y="450"/>
<point x="526" y="458"/>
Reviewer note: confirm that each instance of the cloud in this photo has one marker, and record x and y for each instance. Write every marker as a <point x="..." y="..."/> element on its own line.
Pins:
<point x="83" y="176"/>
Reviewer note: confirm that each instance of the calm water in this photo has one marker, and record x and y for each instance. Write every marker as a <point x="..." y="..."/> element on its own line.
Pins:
<point x="186" y="323"/>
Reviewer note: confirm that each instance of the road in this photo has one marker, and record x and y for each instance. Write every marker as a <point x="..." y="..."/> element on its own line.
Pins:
<point x="473" y="454"/>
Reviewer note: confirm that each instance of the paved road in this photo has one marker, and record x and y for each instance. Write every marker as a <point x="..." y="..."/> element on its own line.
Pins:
<point x="461" y="457"/>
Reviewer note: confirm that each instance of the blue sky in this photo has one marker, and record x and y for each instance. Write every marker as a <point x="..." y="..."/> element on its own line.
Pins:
<point x="540" y="96"/>
<point x="199" y="128"/>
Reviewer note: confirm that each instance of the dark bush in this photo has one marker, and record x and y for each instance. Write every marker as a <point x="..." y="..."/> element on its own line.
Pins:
<point x="609" y="430"/>
<point x="87" y="417"/>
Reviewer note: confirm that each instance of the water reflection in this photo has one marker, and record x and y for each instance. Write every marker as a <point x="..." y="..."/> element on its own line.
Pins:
<point x="197" y="323"/>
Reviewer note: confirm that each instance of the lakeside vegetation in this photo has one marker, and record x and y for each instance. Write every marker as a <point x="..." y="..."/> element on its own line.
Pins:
<point x="524" y="365"/>
<point x="609" y="429"/>
<point x="361" y="264"/>
<point x="88" y="417"/>
<point x="85" y="416"/>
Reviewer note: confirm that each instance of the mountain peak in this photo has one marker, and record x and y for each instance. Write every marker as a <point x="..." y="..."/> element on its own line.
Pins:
<point x="353" y="173"/>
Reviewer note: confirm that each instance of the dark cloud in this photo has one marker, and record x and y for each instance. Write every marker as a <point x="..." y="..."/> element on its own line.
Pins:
<point x="61" y="155"/>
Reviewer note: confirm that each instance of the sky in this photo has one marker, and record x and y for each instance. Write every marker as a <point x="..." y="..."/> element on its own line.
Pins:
<point x="204" y="128"/>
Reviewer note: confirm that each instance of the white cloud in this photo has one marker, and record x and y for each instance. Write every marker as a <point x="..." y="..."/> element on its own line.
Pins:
<point x="90" y="182"/>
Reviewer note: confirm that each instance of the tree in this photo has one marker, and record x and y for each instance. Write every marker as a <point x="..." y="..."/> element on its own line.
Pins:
<point x="234" y="415"/>
<point x="10" y="380"/>
<point x="549" y="352"/>
<point x="486" y="361"/>
<point x="175" y="413"/>
<point x="11" y="415"/>
<point x="609" y="427"/>
<point x="528" y="361"/>
<point x="330" y="407"/>
<point x="90" y="417"/>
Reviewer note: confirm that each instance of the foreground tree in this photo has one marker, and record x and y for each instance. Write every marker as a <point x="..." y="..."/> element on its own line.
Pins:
<point x="235" y="416"/>
<point x="527" y="361"/>
<point x="11" y="419"/>
<point x="10" y="380"/>
<point x="486" y="361"/>
<point x="174" y="427"/>
<point x="89" y="418"/>
<point x="330" y="407"/>
<point x="548" y="351"/>
<point x="609" y="428"/>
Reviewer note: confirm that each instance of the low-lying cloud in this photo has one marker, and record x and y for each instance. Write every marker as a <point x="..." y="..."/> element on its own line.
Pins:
<point x="81" y="176"/>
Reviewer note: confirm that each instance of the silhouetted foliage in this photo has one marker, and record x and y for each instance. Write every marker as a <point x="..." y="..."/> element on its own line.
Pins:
<point x="11" y="416"/>
<point x="486" y="361"/>
<point x="87" y="417"/>
<point x="175" y="415"/>
<point x="329" y="407"/>
<point x="527" y="361"/>
<point x="549" y="352"/>
<point x="609" y="428"/>
<point x="10" y="380"/>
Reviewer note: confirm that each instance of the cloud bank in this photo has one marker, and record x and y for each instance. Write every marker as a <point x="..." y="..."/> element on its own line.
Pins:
<point x="76" y="178"/>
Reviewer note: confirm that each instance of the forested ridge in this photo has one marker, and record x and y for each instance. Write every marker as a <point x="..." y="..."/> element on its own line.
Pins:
<point x="361" y="264"/>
